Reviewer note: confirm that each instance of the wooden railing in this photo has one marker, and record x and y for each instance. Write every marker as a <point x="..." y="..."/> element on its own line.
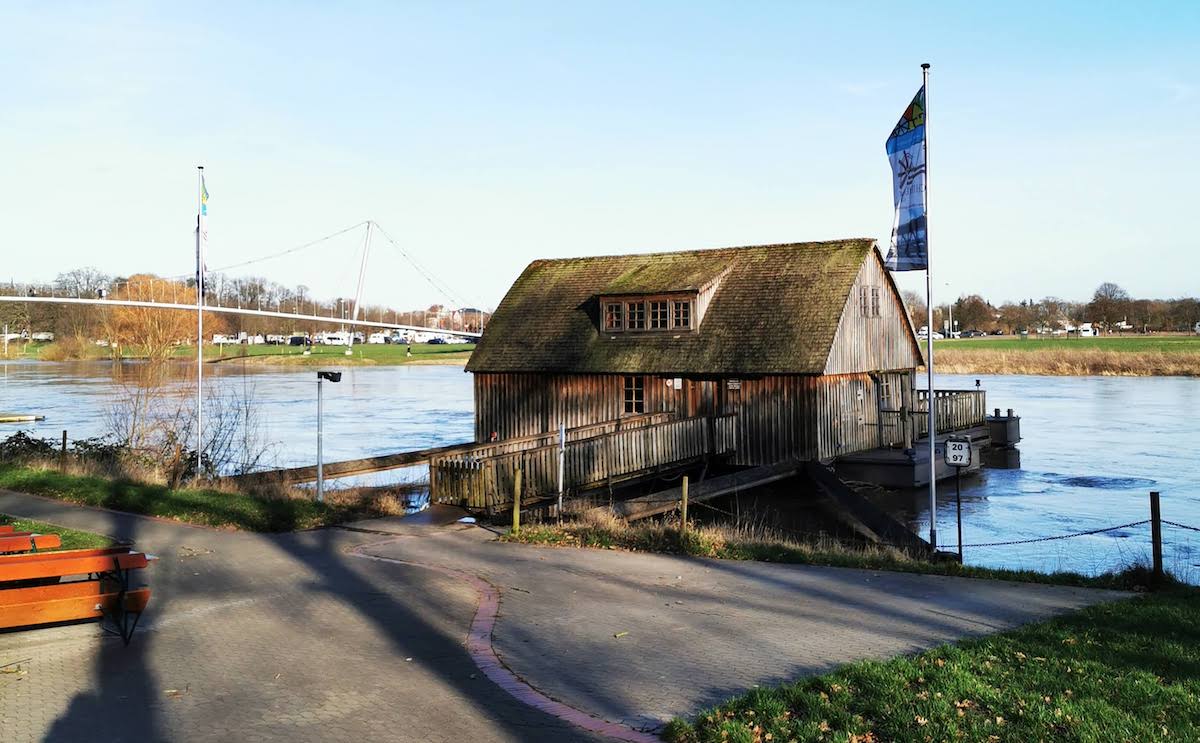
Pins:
<point x="956" y="410"/>
<point x="485" y="481"/>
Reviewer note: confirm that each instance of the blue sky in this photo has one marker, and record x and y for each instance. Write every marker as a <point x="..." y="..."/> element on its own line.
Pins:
<point x="1064" y="137"/>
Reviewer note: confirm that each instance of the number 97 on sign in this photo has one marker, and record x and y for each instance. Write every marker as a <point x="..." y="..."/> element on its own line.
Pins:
<point x="958" y="452"/>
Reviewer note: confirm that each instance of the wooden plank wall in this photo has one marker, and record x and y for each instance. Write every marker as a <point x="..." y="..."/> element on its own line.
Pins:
<point x="867" y="343"/>
<point x="517" y="405"/>
<point x="780" y="417"/>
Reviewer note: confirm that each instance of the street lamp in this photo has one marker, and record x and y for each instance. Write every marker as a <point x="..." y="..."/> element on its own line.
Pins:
<point x="332" y="376"/>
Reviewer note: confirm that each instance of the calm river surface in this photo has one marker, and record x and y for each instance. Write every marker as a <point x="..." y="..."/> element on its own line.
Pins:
<point x="1093" y="447"/>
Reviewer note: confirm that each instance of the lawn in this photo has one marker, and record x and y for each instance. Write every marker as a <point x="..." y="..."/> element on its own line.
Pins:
<point x="363" y="352"/>
<point x="71" y="539"/>
<point x="1122" y="344"/>
<point x="1123" y="671"/>
<point x="204" y="506"/>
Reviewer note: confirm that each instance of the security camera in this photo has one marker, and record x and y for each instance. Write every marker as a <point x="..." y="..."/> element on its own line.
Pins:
<point x="330" y="375"/>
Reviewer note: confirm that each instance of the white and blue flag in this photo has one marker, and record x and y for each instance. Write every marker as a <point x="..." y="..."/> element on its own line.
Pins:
<point x="909" y="250"/>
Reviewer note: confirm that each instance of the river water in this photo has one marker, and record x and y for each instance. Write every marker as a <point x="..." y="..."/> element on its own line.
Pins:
<point x="1093" y="447"/>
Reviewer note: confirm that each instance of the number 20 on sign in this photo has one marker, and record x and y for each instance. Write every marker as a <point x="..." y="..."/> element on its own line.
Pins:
<point x="958" y="452"/>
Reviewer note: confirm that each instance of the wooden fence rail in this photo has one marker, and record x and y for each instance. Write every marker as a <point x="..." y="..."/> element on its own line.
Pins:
<point x="956" y="410"/>
<point x="485" y="481"/>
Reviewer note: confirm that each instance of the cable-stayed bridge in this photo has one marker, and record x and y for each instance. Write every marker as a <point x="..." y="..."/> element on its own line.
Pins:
<point x="171" y="293"/>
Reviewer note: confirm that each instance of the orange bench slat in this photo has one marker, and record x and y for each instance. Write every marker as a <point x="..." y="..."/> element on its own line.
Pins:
<point x="61" y="555"/>
<point x="56" y="568"/>
<point x="69" y="607"/>
<point x="12" y="543"/>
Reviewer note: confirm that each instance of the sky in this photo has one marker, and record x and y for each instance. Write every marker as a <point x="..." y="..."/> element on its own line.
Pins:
<point x="1064" y="137"/>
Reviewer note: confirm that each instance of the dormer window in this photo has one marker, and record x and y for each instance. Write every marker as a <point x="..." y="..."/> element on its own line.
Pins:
<point x="682" y="314"/>
<point x="662" y="313"/>
<point x="614" y="316"/>
<point x="637" y="315"/>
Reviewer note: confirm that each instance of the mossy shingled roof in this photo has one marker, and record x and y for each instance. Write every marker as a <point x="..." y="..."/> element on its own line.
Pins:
<point x="775" y="311"/>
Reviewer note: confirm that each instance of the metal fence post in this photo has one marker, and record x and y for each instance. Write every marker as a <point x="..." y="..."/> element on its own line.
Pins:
<point x="683" y="522"/>
<point x="1156" y="534"/>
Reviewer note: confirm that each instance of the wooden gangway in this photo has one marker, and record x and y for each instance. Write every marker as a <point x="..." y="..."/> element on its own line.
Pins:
<point x="594" y="456"/>
<point x="418" y="457"/>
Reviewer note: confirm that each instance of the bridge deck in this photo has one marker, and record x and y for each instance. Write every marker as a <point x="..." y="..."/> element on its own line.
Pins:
<point x="668" y="500"/>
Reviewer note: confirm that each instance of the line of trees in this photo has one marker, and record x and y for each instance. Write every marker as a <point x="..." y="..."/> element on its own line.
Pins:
<point x="1111" y="308"/>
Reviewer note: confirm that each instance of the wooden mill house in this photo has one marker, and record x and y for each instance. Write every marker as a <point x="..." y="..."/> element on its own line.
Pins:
<point x="750" y="356"/>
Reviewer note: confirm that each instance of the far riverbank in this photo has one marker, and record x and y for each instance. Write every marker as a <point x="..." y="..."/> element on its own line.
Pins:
<point x="1141" y="356"/>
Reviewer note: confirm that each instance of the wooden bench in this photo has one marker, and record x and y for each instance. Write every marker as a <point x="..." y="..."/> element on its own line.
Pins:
<point x="70" y="585"/>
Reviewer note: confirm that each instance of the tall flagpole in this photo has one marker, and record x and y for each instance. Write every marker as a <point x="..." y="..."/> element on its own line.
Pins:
<point x="929" y="326"/>
<point x="199" y="319"/>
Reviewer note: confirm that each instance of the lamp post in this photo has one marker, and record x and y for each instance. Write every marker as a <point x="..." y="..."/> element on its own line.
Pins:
<point x="332" y="376"/>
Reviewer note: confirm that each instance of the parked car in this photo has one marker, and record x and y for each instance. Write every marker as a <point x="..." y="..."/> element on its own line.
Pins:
<point x="973" y="334"/>
<point x="437" y="341"/>
<point x="297" y="340"/>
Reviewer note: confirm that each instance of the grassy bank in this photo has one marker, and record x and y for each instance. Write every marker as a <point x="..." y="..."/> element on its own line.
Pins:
<point x="1138" y="356"/>
<point x="71" y="538"/>
<point x="200" y="505"/>
<point x="361" y="354"/>
<point x="597" y="530"/>
<point x="1124" y="671"/>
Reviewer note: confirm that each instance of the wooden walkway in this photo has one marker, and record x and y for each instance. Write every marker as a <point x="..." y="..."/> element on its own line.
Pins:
<point x="308" y="473"/>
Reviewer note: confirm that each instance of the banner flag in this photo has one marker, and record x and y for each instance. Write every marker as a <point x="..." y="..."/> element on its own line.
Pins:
<point x="909" y="250"/>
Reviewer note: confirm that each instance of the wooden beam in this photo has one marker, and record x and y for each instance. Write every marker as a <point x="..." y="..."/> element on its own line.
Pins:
<point x="668" y="500"/>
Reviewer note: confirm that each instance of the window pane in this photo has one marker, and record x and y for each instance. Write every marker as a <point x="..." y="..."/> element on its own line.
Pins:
<point x="636" y="315"/>
<point x="613" y="316"/>
<point x="874" y="301"/>
<point x="683" y="315"/>
<point x="659" y="317"/>
<point x="635" y="394"/>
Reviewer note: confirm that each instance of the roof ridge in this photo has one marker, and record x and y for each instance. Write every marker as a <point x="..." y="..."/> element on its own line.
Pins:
<point x="700" y="251"/>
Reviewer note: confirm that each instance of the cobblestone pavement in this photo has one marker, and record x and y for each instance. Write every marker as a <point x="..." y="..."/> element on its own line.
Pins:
<point x="289" y="637"/>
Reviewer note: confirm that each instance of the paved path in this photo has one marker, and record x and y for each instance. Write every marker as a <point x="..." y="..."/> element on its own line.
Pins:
<point x="335" y="635"/>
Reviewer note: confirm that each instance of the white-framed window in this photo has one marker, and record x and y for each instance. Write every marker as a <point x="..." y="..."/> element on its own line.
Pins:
<point x="874" y="301"/>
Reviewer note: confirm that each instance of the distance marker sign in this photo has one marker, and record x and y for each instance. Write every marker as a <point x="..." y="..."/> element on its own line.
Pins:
<point x="957" y="452"/>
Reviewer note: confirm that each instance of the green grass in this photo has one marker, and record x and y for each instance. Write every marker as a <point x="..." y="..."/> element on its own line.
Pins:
<point x="202" y="506"/>
<point x="731" y="543"/>
<point x="1124" y="344"/>
<point x="370" y="353"/>
<point x="72" y="539"/>
<point x="1123" y="671"/>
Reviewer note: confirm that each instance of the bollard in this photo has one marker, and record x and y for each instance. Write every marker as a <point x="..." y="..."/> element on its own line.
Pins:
<point x="64" y="443"/>
<point x="516" y="527"/>
<point x="1156" y="534"/>
<point x="683" y="524"/>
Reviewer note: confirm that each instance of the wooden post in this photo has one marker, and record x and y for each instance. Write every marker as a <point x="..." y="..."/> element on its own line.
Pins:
<point x="683" y="522"/>
<point x="1156" y="534"/>
<point x="516" y="527"/>
<point x="62" y="457"/>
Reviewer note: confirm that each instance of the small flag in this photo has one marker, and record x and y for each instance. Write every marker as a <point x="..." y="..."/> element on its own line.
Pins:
<point x="909" y="250"/>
